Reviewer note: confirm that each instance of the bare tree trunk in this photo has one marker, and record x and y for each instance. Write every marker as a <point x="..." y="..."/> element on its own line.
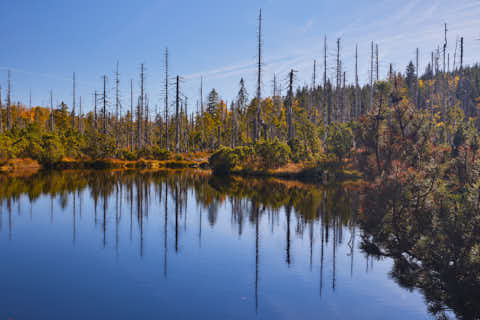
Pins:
<point x="104" y="104"/>
<point x="80" y="115"/>
<point x="140" y="107"/>
<point x="9" y="102"/>
<point x="416" y="84"/>
<point x="1" y="115"/>
<point x="290" y="107"/>
<point x="177" y="102"/>
<point x="166" y="99"/>
<point x="356" y="113"/>
<point x="131" y="115"/>
<point x="202" y="124"/>
<point x="73" y="103"/>
<point x="326" y="114"/>
<point x="257" y="121"/>
<point x="117" y="105"/>
<point x="338" y="84"/>
<point x="371" y="79"/>
<point x="52" y="120"/>
<point x="95" y="119"/>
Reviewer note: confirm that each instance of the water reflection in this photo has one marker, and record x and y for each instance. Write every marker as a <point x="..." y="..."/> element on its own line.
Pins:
<point x="303" y="241"/>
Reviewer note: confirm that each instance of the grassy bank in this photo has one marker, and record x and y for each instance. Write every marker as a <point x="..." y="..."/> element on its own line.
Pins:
<point x="180" y="161"/>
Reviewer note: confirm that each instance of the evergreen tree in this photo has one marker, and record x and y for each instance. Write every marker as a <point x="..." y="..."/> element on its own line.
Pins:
<point x="213" y="100"/>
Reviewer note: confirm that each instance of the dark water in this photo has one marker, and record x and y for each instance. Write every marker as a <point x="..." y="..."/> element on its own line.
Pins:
<point x="119" y="245"/>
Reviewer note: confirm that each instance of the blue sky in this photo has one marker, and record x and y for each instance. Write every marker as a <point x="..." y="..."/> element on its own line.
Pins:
<point x="43" y="42"/>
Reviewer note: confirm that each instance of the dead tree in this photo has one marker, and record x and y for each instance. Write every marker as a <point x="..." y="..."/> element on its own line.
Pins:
<point x="356" y="108"/>
<point x="313" y="91"/>
<point x="202" y="124"/>
<point x="290" y="106"/>
<point x="444" y="76"/>
<point x="338" y="86"/>
<point x="177" y="105"/>
<point x="257" y="122"/>
<point x="52" y="122"/>
<point x="95" y="119"/>
<point x="1" y="107"/>
<point x="416" y="84"/>
<point x="80" y="114"/>
<point x="104" y="111"/>
<point x="166" y="99"/>
<point x="146" y="120"/>
<point x="9" y="101"/>
<point x="117" y="104"/>
<point x="73" y="103"/>
<point x="326" y="115"/>
<point x="140" y="106"/>
<point x="371" y="79"/>
<point x="131" y="115"/>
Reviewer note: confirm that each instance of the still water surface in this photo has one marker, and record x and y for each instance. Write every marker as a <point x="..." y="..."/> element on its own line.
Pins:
<point x="120" y="245"/>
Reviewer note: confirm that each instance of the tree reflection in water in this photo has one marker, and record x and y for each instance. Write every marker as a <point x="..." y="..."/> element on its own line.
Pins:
<point x="436" y="259"/>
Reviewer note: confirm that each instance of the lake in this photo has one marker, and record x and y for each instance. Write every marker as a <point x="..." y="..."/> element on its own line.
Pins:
<point x="163" y="245"/>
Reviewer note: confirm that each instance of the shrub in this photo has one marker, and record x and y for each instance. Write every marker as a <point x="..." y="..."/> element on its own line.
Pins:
<point x="299" y="151"/>
<point x="100" y="146"/>
<point x="125" y="154"/>
<point x="339" y="140"/>
<point x="52" y="149"/>
<point x="272" y="154"/>
<point x="160" y="154"/>
<point x="223" y="161"/>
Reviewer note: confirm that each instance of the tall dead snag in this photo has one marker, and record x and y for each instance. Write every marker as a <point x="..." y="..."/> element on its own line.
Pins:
<point x="416" y="84"/>
<point x="104" y="110"/>
<point x="462" y="91"/>
<point x="444" y="76"/>
<point x="326" y="115"/>
<point x="95" y="118"/>
<point x="290" y="106"/>
<point x="80" y="124"/>
<point x="338" y="108"/>
<point x="73" y="103"/>
<point x="376" y="63"/>
<point x="131" y="115"/>
<point x="177" y="105"/>
<point x="276" y="104"/>
<point x="1" y="107"/>
<point x="356" y="107"/>
<point x="186" y="129"/>
<point x="313" y="92"/>
<point x="371" y="79"/>
<point x="9" y="101"/>
<point x="140" y="106"/>
<point x="52" y="122"/>
<point x="166" y="99"/>
<point x="202" y="129"/>
<point x="257" y="122"/>
<point x="147" y="121"/>
<point x="117" y="104"/>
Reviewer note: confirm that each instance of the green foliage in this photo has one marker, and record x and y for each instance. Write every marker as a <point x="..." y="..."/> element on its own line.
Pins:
<point x="223" y="161"/>
<point x="340" y="140"/>
<point x="160" y="154"/>
<point x="299" y="151"/>
<point x="100" y="146"/>
<point x="126" y="154"/>
<point x="272" y="154"/>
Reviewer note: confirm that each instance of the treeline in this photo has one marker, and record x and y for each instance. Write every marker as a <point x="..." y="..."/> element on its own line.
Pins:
<point x="300" y="118"/>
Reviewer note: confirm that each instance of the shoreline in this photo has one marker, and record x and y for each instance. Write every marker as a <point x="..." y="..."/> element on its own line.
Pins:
<point x="290" y="172"/>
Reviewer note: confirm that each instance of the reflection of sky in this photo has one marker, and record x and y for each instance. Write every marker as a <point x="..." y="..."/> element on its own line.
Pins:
<point x="46" y="274"/>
